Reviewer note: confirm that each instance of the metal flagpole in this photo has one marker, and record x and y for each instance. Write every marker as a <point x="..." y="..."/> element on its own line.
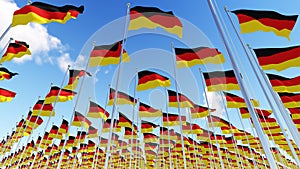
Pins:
<point x="178" y="106"/>
<point x="265" y="93"/>
<point x="5" y="32"/>
<point x="117" y="87"/>
<point x="169" y="142"/>
<point x="243" y="90"/>
<point x="206" y="99"/>
<point x="191" y="130"/>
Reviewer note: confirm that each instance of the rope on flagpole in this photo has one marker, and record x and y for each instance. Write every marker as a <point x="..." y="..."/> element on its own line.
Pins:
<point x="117" y="87"/>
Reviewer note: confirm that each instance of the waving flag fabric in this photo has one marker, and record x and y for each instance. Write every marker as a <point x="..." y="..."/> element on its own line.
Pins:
<point x="182" y="100"/>
<point x="6" y="74"/>
<point x="122" y="98"/>
<point x="173" y="120"/>
<point x="43" y="13"/>
<point x="221" y="80"/>
<point x="15" y="50"/>
<point x="234" y="101"/>
<point x="147" y="111"/>
<point x="57" y="94"/>
<point x="188" y="57"/>
<point x="42" y="109"/>
<point x="108" y="54"/>
<point x="284" y="84"/>
<point x="149" y="80"/>
<point x="278" y="58"/>
<point x="266" y="21"/>
<point x="290" y="100"/>
<point x="74" y="76"/>
<point x="200" y="111"/>
<point x="96" y="111"/>
<point x="152" y="17"/>
<point x="147" y="127"/>
<point x="6" y="95"/>
<point x="79" y="120"/>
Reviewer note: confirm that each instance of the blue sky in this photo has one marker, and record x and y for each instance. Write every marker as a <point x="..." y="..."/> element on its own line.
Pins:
<point x="56" y="45"/>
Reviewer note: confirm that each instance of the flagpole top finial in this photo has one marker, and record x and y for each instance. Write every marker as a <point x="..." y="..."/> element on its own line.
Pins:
<point x="11" y="39"/>
<point x="128" y="5"/>
<point x="94" y="43"/>
<point x="225" y="8"/>
<point x="248" y="45"/>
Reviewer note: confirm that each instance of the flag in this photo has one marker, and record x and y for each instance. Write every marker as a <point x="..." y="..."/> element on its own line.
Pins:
<point x="16" y="49"/>
<point x="42" y="109"/>
<point x="295" y="113"/>
<point x="64" y="127"/>
<point x="290" y="100"/>
<point x="129" y="133"/>
<point x="92" y="132"/>
<point x="182" y="100"/>
<point x="147" y="111"/>
<point x="200" y="111"/>
<point x="221" y="80"/>
<point x="266" y="21"/>
<point x="190" y="128"/>
<point x="53" y="133"/>
<point x="149" y="80"/>
<point x="188" y="57"/>
<point x="122" y="98"/>
<point x="108" y="54"/>
<point x="124" y="121"/>
<point x="234" y="101"/>
<point x="6" y="95"/>
<point x="74" y="76"/>
<point x="152" y="17"/>
<point x="278" y="58"/>
<point x="217" y="121"/>
<point x="96" y="111"/>
<point x="43" y="13"/>
<point x="147" y="126"/>
<point x="79" y="120"/>
<point x="261" y="113"/>
<point x="57" y="94"/>
<point x="173" y="120"/>
<point x="6" y="74"/>
<point x="150" y="138"/>
<point x="284" y="84"/>
<point x="106" y="126"/>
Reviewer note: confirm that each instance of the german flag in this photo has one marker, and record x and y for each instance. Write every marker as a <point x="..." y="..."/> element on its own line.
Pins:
<point x="6" y="74"/>
<point x="108" y="54"/>
<point x="43" y="13"/>
<point x="200" y="111"/>
<point x="6" y="95"/>
<point x="165" y="133"/>
<point x="129" y="133"/>
<point x="173" y="119"/>
<point x="278" y="58"/>
<point x="64" y="127"/>
<point x="16" y="49"/>
<point x="122" y="98"/>
<point x="295" y="113"/>
<point x="106" y="126"/>
<point x="42" y="109"/>
<point x="266" y="21"/>
<point x="147" y="111"/>
<point x="147" y="126"/>
<point x="190" y="128"/>
<point x="96" y="111"/>
<point x="221" y="80"/>
<point x="59" y="95"/>
<point x="92" y="132"/>
<point x="217" y="121"/>
<point x="79" y="120"/>
<point x="54" y="132"/>
<point x="124" y="121"/>
<point x="182" y="99"/>
<point x="149" y="80"/>
<point x="150" y="138"/>
<point x="261" y="113"/>
<point x="74" y="76"/>
<point x="284" y="84"/>
<point x="290" y="100"/>
<point x="152" y="17"/>
<point x="34" y="121"/>
<point x="234" y="101"/>
<point x="188" y="57"/>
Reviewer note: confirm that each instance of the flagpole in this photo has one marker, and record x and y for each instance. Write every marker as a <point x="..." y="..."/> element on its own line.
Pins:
<point x="178" y="106"/>
<point x="191" y="130"/>
<point x="169" y="142"/>
<point x="243" y="90"/>
<point x="265" y="93"/>
<point x="5" y="32"/>
<point x="206" y="99"/>
<point x="117" y="85"/>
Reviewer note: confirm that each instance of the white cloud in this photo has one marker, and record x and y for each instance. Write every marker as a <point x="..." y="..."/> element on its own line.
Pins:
<point x="37" y="36"/>
<point x="63" y="61"/>
<point x="215" y="102"/>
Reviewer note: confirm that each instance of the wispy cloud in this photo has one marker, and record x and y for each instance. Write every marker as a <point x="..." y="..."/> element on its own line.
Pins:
<point x="215" y="102"/>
